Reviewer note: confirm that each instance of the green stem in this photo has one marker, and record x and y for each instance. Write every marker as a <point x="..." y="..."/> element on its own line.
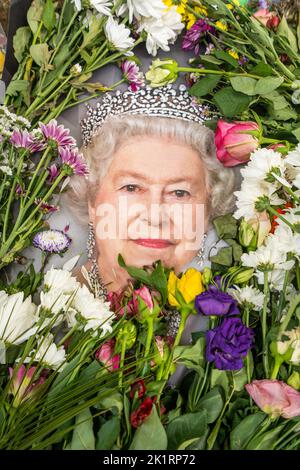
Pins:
<point x="293" y="305"/>
<point x="280" y="216"/>
<point x="122" y="358"/>
<point x="247" y="314"/>
<point x="276" y="368"/>
<point x="264" y="324"/>
<point x="39" y="165"/>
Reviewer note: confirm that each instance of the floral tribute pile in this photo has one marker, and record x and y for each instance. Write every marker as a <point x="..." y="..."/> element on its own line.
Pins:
<point x="77" y="372"/>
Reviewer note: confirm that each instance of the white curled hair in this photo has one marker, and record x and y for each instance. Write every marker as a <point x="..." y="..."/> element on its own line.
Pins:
<point x="220" y="181"/>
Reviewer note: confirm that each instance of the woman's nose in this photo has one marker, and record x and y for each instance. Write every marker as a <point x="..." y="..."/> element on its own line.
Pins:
<point x="155" y="210"/>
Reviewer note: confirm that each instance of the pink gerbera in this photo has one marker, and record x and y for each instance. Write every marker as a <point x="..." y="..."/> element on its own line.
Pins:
<point x="74" y="161"/>
<point x="25" y="140"/>
<point x="57" y="133"/>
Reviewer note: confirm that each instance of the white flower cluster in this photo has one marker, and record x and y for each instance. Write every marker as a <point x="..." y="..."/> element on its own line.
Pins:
<point x="271" y="176"/>
<point x="161" y="24"/>
<point x="66" y="299"/>
<point x="63" y="299"/>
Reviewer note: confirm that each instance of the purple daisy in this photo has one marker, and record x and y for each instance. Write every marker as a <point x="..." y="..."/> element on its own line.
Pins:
<point x="197" y="30"/>
<point x="25" y="140"/>
<point x="73" y="161"/>
<point x="57" y="133"/>
<point x="132" y="74"/>
<point x="45" y="207"/>
<point x="228" y="344"/>
<point x="52" y="241"/>
<point x="53" y="173"/>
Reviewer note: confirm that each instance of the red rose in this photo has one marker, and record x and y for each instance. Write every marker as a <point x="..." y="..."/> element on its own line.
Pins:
<point x="138" y="386"/>
<point x="138" y="416"/>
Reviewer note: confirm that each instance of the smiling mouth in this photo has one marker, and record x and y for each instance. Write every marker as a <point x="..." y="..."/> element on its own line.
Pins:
<point x="153" y="242"/>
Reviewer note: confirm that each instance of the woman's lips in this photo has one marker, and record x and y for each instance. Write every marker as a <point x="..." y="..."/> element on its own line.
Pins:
<point x="153" y="242"/>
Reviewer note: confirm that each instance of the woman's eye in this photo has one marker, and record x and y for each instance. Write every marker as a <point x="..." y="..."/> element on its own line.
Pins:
<point x="131" y="188"/>
<point x="180" y="193"/>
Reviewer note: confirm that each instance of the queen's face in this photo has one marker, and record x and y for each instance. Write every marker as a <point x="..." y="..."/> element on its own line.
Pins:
<point x="150" y="205"/>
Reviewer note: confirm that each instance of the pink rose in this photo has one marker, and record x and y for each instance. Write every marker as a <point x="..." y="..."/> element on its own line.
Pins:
<point x="263" y="15"/>
<point x="105" y="354"/>
<point x="233" y="145"/>
<point x="119" y="305"/>
<point x="275" y="398"/>
<point x="145" y="294"/>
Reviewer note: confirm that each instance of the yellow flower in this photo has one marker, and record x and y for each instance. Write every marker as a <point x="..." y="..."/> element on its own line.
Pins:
<point x="233" y="54"/>
<point x="201" y="10"/>
<point x="221" y="25"/>
<point x="2" y="60"/>
<point x="189" y="285"/>
<point x="190" y="19"/>
<point x="229" y="6"/>
<point x="180" y="5"/>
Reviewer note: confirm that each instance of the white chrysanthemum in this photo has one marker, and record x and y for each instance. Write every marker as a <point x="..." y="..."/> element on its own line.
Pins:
<point x="248" y="295"/>
<point x="267" y="257"/>
<point x="286" y="240"/>
<point x="61" y="280"/>
<point x="292" y="215"/>
<point x="102" y="6"/>
<point x="118" y="35"/>
<point x="95" y="312"/>
<point x="161" y="31"/>
<point x="248" y="196"/>
<point x="293" y="157"/>
<point x="275" y="279"/>
<point x="262" y="163"/>
<point x="53" y="303"/>
<point x="150" y="8"/>
<point x="17" y="318"/>
<point x="48" y="354"/>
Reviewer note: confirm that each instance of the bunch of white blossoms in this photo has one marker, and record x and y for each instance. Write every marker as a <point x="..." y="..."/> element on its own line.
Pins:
<point x="63" y="298"/>
<point x="160" y="23"/>
<point x="267" y="180"/>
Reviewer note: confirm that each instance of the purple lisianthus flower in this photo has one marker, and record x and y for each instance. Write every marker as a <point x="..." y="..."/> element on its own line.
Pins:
<point x="132" y="74"/>
<point x="228" y="344"/>
<point x="192" y="36"/>
<point x="217" y="303"/>
<point x="57" y="133"/>
<point x="74" y="161"/>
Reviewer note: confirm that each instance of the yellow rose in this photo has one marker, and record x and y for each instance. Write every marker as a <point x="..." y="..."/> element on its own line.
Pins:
<point x="2" y="60"/>
<point x="189" y="285"/>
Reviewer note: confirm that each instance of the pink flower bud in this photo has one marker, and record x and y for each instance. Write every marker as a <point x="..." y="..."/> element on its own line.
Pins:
<point x="105" y="354"/>
<point x="23" y="384"/>
<point x="263" y="15"/>
<point x="145" y="294"/>
<point x="233" y="144"/>
<point x="275" y="398"/>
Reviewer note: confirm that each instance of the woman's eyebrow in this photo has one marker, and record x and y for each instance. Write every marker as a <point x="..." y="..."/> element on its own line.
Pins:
<point x="141" y="176"/>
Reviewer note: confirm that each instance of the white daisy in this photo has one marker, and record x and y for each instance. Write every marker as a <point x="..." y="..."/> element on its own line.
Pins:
<point x="60" y="280"/>
<point x="48" y="353"/>
<point x="262" y="163"/>
<point x="248" y="295"/>
<point x="149" y="8"/>
<point x="293" y="157"/>
<point x="161" y="31"/>
<point x="118" y="35"/>
<point x="286" y="240"/>
<point x="102" y="6"/>
<point x="248" y="196"/>
<point x="267" y="258"/>
<point x="77" y="4"/>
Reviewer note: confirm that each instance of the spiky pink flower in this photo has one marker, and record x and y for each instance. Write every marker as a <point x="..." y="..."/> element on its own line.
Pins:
<point x="132" y="74"/>
<point x="53" y="173"/>
<point x="25" y="140"/>
<point x="74" y="161"/>
<point x="45" y="207"/>
<point x="57" y="133"/>
<point x="22" y="384"/>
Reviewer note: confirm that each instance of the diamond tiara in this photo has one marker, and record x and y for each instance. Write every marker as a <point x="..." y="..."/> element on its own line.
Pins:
<point x="163" y="101"/>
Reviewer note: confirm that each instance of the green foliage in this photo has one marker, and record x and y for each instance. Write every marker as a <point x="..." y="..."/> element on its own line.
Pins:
<point x="151" y="435"/>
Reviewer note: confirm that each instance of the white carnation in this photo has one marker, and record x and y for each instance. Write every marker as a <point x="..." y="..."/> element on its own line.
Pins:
<point x="118" y="35"/>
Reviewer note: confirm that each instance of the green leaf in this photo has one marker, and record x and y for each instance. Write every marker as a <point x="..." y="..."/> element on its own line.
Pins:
<point x="48" y="17"/>
<point x="199" y="444"/>
<point x="296" y="133"/>
<point x="34" y="14"/>
<point x="21" y="41"/>
<point x="227" y="58"/>
<point x="283" y="114"/>
<point x="94" y="30"/>
<point x="266" y="85"/>
<point x="210" y="59"/>
<point x="219" y="377"/>
<point x="83" y="435"/>
<point x="16" y="86"/>
<point x="226" y="226"/>
<point x="191" y="356"/>
<point x="262" y="69"/>
<point x="285" y="31"/>
<point x="231" y="103"/>
<point x="236" y="249"/>
<point x="212" y="403"/>
<point x="114" y="400"/>
<point x="240" y="379"/>
<point x="108" y="434"/>
<point x="278" y="101"/>
<point x="159" y="281"/>
<point x="243" y="432"/>
<point x="138" y="273"/>
<point x="244" y="85"/>
<point x="151" y="435"/>
<point x="186" y="427"/>
<point x="62" y="55"/>
<point x="40" y="54"/>
<point x="265" y="441"/>
<point x="223" y="257"/>
<point x="205" y="85"/>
